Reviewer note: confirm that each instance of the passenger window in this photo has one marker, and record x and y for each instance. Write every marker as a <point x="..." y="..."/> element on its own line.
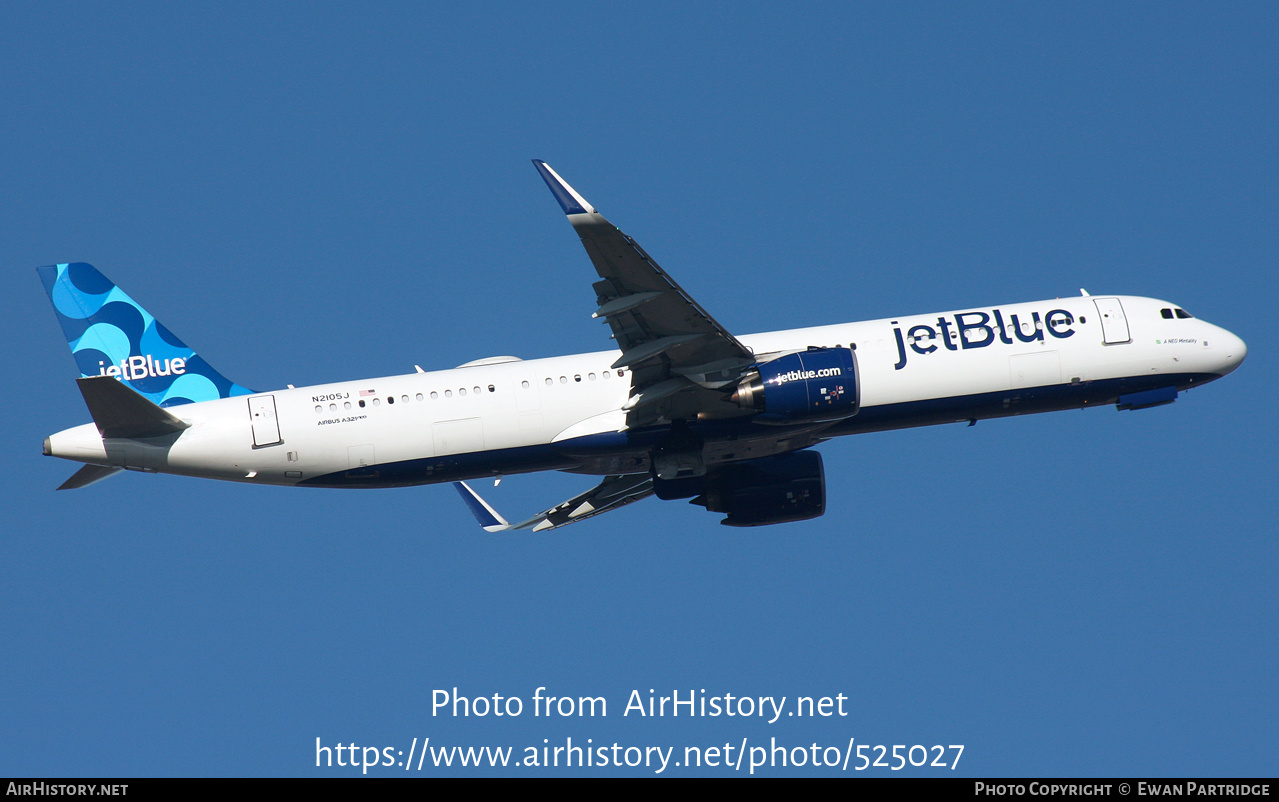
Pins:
<point x="448" y="393"/>
<point x="390" y="399"/>
<point x="346" y="405"/>
<point x="563" y="380"/>
<point x="548" y="381"/>
<point x="591" y="376"/>
<point x="577" y="378"/>
<point x="377" y="402"/>
<point x="435" y="395"/>
<point x="492" y="389"/>
<point x="524" y="384"/>
<point x="462" y="391"/>
<point x="318" y="409"/>
<point x="361" y="403"/>
<point x="477" y="390"/>
<point x="419" y="396"/>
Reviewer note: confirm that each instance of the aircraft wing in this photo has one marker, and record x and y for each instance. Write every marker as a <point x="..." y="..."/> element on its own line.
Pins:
<point x="613" y="492"/>
<point x="678" y="355"/>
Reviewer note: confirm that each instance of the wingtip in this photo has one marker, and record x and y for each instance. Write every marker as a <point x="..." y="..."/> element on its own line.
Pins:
<point x="488" y="518"/>
<point x="570" y="201"/>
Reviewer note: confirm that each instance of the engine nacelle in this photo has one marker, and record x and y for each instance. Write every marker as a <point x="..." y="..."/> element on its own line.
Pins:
<point x="769" y="490"/>
<point x="820" y="383"/>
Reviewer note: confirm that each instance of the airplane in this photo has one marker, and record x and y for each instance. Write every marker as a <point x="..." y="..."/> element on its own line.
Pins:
<point x="681" y="408"/>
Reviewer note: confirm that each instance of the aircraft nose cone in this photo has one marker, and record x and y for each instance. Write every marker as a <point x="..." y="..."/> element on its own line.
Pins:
<point x="1233" y="353"/>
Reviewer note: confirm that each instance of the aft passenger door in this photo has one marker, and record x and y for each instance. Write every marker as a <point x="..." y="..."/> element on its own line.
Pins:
<point x="266" y="428"/>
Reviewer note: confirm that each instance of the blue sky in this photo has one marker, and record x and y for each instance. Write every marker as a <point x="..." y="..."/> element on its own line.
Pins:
<point x="314" y="192"/>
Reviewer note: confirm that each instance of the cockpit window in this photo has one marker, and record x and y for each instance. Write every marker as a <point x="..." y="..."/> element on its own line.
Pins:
<point x="1165" y="313"/>
<point x="1182" y="314"/>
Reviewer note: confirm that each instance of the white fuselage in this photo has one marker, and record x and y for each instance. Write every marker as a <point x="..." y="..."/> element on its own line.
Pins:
<point x="524" y="415"/>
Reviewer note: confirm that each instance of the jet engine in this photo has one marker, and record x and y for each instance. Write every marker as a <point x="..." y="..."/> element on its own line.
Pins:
<point x="817" y="384"/>
<point x="770" y="490"/>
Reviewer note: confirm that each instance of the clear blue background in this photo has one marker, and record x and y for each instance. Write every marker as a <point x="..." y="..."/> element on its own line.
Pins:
<point x="313" y="192"/>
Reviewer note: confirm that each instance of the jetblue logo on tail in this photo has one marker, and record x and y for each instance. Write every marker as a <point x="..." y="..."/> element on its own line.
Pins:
<point x="110" y="334"/>
<point x="143" y="367"/>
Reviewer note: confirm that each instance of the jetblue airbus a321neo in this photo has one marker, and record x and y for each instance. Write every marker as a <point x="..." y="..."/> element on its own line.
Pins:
<point x="683" y="409"/>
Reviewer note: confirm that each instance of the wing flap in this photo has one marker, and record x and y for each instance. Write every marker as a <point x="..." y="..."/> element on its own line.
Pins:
<point x="613" y="492"/>
<point x="652" y="349"/>
<point x="640" y="301"/>
<point x="608" y="495"/>
<point x="625" y="303"/>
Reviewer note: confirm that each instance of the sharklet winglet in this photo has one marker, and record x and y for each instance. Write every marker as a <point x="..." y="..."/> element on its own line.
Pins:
<point x="570" y="201"/>
<point x="490" y="520"/>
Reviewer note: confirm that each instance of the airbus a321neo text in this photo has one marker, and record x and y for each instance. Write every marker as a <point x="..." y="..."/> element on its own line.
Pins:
<point x="682" y="409"/>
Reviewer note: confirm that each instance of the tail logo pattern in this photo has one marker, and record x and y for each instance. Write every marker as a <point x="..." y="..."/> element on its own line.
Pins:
<point x="111" y="335"/>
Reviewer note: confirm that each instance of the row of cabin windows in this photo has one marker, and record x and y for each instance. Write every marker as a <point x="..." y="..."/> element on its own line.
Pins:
<point x="577" y="377"/>
<point x="404" y="399"/>
<point x="462" y="391"/>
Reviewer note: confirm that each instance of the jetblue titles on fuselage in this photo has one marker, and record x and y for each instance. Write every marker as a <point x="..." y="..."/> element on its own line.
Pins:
<point x="979" y="330"/>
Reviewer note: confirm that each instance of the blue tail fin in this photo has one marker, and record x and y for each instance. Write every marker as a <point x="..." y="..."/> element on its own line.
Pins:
<point x="111" y="335"/>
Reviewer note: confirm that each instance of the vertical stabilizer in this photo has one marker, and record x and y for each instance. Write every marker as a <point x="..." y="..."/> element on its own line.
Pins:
<point x="111" y="335"/>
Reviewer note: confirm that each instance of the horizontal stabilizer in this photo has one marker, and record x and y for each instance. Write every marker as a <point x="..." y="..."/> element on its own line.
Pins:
<point x="87" y="476"/>
<point x="121" y="412"/>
